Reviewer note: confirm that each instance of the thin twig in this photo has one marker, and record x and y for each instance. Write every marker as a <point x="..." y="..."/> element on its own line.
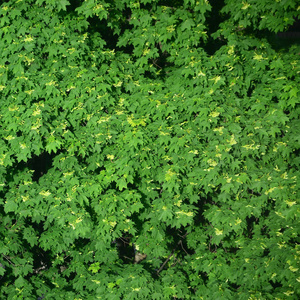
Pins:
<point x="169" y="257"/>
<point x="8" y="260"/>
<point x="171" y="254"/>
<point x="183" y="247"/>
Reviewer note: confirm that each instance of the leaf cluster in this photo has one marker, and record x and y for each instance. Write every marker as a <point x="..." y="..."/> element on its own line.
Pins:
<point x="146" y="128"/>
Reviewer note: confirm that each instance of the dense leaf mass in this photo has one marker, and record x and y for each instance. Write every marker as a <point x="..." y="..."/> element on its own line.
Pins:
<point x="149" y="150"/>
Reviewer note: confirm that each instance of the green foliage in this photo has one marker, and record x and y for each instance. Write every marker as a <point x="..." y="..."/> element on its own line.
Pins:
<point x="136" y="126"/>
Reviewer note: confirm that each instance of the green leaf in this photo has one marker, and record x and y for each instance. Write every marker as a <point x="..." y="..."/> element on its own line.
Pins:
<point x="62" y="5"/>
<point x="20" y="282"/>
<point x="10" y="206"/>
<point x="122" y="183"/>
<point x="53" y="146"/>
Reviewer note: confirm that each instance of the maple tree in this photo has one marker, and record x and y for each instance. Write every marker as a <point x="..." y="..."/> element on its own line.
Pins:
<point x="149" y="150"/>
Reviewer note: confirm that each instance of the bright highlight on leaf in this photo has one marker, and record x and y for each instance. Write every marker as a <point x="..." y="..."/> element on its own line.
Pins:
<point x="245" y="5"/>
<point x="218" y="232"/>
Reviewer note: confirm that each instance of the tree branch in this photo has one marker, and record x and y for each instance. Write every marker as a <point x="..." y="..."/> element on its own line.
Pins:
<point x="171" y="254"/>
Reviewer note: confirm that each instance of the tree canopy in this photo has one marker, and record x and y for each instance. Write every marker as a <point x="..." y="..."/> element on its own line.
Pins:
<point x="149" y="149"/>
